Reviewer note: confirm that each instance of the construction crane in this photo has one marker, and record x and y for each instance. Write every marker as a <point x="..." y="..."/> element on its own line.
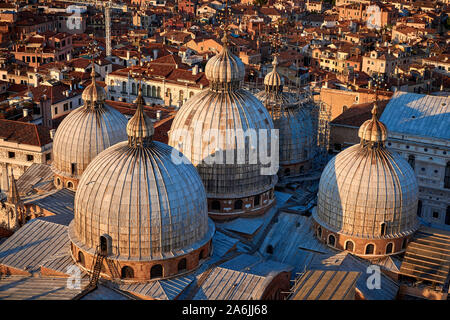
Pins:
<point x="107" y="6"/>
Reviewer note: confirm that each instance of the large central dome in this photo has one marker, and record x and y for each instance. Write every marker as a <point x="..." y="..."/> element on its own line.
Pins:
<point x="152" y="210"/>
<point x="208" y="130"/>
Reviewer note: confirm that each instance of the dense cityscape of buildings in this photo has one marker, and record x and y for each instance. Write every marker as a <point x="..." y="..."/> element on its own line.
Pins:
<point x="213" y="150"/>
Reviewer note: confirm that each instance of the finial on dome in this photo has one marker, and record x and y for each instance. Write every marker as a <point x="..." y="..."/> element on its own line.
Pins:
<point x="140" y="128"/>
<point x="373" y="132"/>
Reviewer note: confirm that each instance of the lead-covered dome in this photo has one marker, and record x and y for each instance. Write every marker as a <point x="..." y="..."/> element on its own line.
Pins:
<point x="151" y="208"/>
<point x="83" y="134"/>
<point x="225" y="67"/>
<point x="219" y="130"/>
<point x="368" y="192"/>
<point x="296" y="133"/>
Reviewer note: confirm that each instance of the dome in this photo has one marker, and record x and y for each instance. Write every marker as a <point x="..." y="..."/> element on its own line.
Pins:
<point x="225" y="113"/>
<point x="83" y="134"/>
<point x="140" y="127"/>
<point x="225" y="67"/>
<point x="222" y="115"/>
<point x="367" y="192"/>
<point x="273" y="79"/>
<point x="93" y="93"/>
<point x="296" y="133"/>
<point x="151" y="208"/>
<point x="372" y="130"/>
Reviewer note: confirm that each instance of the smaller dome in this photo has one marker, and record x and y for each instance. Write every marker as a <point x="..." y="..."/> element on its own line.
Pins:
<point x="273" y="79"/>
<point x="140" y="127"/>
<point x="93" y="92"/>
<point x="225" y="67"/>
<point x="372" y="130"/>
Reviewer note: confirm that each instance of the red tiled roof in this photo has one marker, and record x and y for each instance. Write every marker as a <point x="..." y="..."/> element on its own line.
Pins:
<point x="358" y="113"/>
<point x="25" y="133"/>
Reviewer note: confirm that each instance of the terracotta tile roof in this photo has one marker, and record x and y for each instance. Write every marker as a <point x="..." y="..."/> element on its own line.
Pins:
<point x="358" y="113"/>
<point x="25" y="133"/>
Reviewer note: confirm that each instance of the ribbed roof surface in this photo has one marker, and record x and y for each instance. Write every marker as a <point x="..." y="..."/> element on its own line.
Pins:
<point x="227" y="113"/>
<point x="83" y="134"/>
<point x="151" y="207"/>
<point x="225" y="67"/>
<point x="363" y="187"/>
<point x="296" y="132"/>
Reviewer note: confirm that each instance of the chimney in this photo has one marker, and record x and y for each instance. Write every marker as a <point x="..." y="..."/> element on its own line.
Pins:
<point x="52" y="133"/>
<point x="195" y="70"/>
<point x="25" y="112"/>
<point x="158" y="114"/>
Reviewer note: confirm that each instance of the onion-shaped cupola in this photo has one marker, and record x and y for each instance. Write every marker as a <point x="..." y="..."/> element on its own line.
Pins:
<point x="296" y="133"/>
<point x="147" y="212"/>
<point x="225" y="71"/>
<point x="213" y="130"/>
<point x="83" y="134"/>
<point x="367" y="199"/>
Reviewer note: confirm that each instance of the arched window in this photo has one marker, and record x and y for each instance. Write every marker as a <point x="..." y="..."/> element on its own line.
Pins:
<point x="269" y="249"/>
<point x="447" y="176"/>
<point x="127" y="272"/>
<point x="447" y="216"/>
<point x="144" y="90"/>
<point x="331" y="240"/>
<point x="133" y="88"/>
<point x="389" y="248"/>
<point x="191" y="94"/>
<point x="256" y="200"/>
<point x="153" y="91"/>
<point x="370" y="248"/>
<point x="103" y="245"/>
<point x="344" y="108"/>
<point x="404" y="243"/>
<point x="383" y="229"/>
<point x="81" y="258"/>
<point x="58" y="182"/>
<point x="182" y="265"/>
<point x="349" y="246"/>
<point x="412" y="161"/>
<point x="238" y="204"/>
<point x="156" y="271"/>
<point x="70" y="185"/>
<point x="319" y="232"/>
<point x="201" y="255"/>
<point x="124" y="87"/>
<point x="215" y="205"/>
<point x="419" y="208"/>
<point x="158" y="92"/>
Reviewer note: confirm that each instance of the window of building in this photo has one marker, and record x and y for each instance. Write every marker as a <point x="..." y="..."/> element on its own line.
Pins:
<point x="201" y="255"/>
<point x="435" y="214"/>
<point x="127" y="272"/>
<point x="370" y="248"/>
<point x="73" y="168"/>
<point x="269" y="249"/>
<point x="238" y="204"/>
<point x="419" y="208"/>
<point x="412" y="161"/>
<point x="56" y="110"/>
<point x="319" y="232"/>
<point x="156" y="271"/>
<point x="70" y="185"/>
<point x="383" y="229"/>
<point x="404" y="243"/>
<point x="66" y="106"/>
<point x="81" y="258"/>
<point x="349" y="246"/>
<point x="11" y="155"/>
<point x="256" y="200"/>
<point x="30" y="157"/>
<point x="331" y="240"/>
<point x="447" y="176"/>
<point x="215" y="205"/>
<point x="182" y="265"/>
<point x="389" y="248"/>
